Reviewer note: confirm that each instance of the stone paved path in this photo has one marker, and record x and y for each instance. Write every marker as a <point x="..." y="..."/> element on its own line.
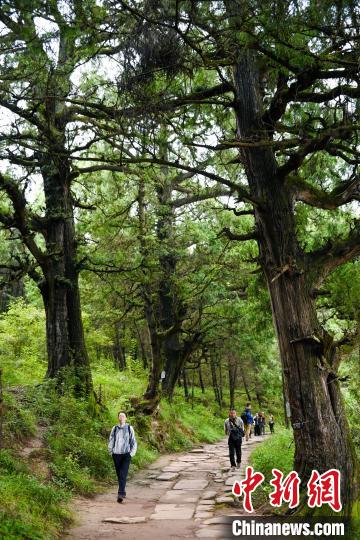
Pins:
<point x="183" y="495"/>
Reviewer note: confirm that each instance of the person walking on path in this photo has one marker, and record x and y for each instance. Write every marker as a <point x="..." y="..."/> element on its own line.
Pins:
<point x="262" y="422"/>
<point x="234" y="429"/>
<point x="122" y="447"/>
<point x="256" y="425"/>
<point x="271" y="423"/>
<point x="248" y="420"/>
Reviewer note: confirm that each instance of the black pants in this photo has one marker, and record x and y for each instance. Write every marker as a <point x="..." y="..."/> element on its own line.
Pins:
<point x="122" y="462"/>
<point x="234" y="446"/>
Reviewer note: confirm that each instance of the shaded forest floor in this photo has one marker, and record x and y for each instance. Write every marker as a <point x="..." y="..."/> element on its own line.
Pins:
<point x="186" y="495"/>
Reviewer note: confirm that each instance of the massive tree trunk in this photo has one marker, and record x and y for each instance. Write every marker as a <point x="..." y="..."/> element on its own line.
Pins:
<point x="285" y="400"/>
<point x="173" y="366"/>
<point x="169" y="310"/>
<point x="307" y="353"/>
<point x="152" y="393"/>
<point x="60" y="287"/>
<point x="176" y="363"/>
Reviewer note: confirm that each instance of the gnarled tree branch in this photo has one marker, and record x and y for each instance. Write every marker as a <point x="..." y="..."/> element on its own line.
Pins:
<point x="344" y="193"/>
<point x="325" y="260"/>
<point x="21" y="218"/>
<point x="235" y="236"/>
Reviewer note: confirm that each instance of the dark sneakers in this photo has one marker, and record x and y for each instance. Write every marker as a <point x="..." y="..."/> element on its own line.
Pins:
<point x="120" y="499"/>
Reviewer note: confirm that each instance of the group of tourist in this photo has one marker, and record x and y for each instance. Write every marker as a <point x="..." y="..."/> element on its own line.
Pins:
<point x="260" y="422"/>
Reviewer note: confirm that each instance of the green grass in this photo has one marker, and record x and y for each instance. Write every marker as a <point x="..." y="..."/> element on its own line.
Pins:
<point x="29" y="508"/>
<point x="277" y="451"/>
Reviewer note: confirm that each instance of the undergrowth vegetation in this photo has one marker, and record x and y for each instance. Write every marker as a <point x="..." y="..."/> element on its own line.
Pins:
<point x="35" y="504"/>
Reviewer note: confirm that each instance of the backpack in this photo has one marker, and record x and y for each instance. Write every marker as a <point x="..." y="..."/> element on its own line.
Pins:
<point x="115" y="435"/>
<point x="244" y="418"/>
<point x="237" y="433"/>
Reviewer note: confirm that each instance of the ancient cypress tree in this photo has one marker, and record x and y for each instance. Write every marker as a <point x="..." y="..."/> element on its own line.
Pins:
<point x="165" y="309"/>
<point x="36" y="71"/>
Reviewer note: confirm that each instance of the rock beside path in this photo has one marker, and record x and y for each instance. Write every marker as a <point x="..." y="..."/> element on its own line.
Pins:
<point x="125" y="519"/>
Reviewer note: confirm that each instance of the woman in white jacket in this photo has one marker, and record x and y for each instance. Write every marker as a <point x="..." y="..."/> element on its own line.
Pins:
<point x="122" y="447"/>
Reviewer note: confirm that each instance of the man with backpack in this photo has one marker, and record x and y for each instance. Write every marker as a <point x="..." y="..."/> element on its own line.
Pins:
<point x="234" y="428"/>
<point x="248" y="420"/>
<point x="122" y="447"/>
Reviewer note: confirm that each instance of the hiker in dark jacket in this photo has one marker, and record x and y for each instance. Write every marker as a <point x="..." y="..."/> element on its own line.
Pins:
<point x="248" y="420"/>
<point x="234" y="428"/>
<point x="122" y="447"/>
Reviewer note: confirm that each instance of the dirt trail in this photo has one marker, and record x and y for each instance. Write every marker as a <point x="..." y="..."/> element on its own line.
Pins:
<point x="183" y="495"/>
<point x="35" y="453"/>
